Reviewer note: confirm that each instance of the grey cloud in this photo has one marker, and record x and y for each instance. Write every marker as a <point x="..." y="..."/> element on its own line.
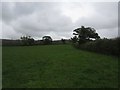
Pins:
<point x="9" y="32"/>
<point x="7" y="12"/>
<point x="106" y="16"/>
<point x="38" y="24"/>
<point x="43" y="18"/>
<point x="108" y="32"/>
<point x="14" y="10"/>
<point x="105" y="20"/>
<point x="119" y="19"/>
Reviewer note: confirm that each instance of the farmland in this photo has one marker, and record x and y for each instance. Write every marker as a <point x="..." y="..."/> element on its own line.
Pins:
<point x="57" y="66"/>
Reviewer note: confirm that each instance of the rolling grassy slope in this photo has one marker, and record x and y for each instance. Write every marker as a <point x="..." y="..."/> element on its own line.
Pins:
<point x="57" y="66"/>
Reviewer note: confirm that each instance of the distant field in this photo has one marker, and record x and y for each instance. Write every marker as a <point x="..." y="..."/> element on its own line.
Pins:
<point x="57" y="66"/>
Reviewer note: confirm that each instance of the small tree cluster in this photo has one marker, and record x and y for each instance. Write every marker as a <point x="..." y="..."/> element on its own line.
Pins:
<point x="74" y="39"/>
<point x="47" y="40"/>
<point x="63" y="41"/>
<point x="27" y="40"/>
<point x="84" y="34"/>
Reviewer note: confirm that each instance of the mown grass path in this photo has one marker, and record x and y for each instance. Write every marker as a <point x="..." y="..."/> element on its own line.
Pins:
<point x="57" y="66"/>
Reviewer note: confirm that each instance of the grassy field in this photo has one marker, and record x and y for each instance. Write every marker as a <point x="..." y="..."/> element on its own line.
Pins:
<point x="0" y="66"/>
<point x="57" y="66"/>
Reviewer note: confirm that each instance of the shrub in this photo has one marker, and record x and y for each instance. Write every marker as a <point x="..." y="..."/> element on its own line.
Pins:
<point x="105" y="46"/>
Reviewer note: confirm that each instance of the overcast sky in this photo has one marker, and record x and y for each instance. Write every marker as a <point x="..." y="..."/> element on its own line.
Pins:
<point x="58" y="19"/>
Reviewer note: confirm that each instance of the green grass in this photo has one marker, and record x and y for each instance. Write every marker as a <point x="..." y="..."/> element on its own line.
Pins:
<point x="0" y="66"/>
<point x="57" y="66"/>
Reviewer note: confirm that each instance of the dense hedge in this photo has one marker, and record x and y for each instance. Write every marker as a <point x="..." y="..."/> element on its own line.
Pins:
<point x="105" y="46"/>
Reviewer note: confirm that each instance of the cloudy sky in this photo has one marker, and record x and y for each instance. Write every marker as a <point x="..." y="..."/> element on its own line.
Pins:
<point x="57" y="19"/>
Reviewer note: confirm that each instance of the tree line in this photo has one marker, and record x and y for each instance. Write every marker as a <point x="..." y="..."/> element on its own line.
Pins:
<point x="46" y="40"/>
<point x="85" y="38"/>
<point x="82" y="35"/>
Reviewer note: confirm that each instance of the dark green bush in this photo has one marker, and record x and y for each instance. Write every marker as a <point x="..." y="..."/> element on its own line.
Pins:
<point x="105" y="46"/>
